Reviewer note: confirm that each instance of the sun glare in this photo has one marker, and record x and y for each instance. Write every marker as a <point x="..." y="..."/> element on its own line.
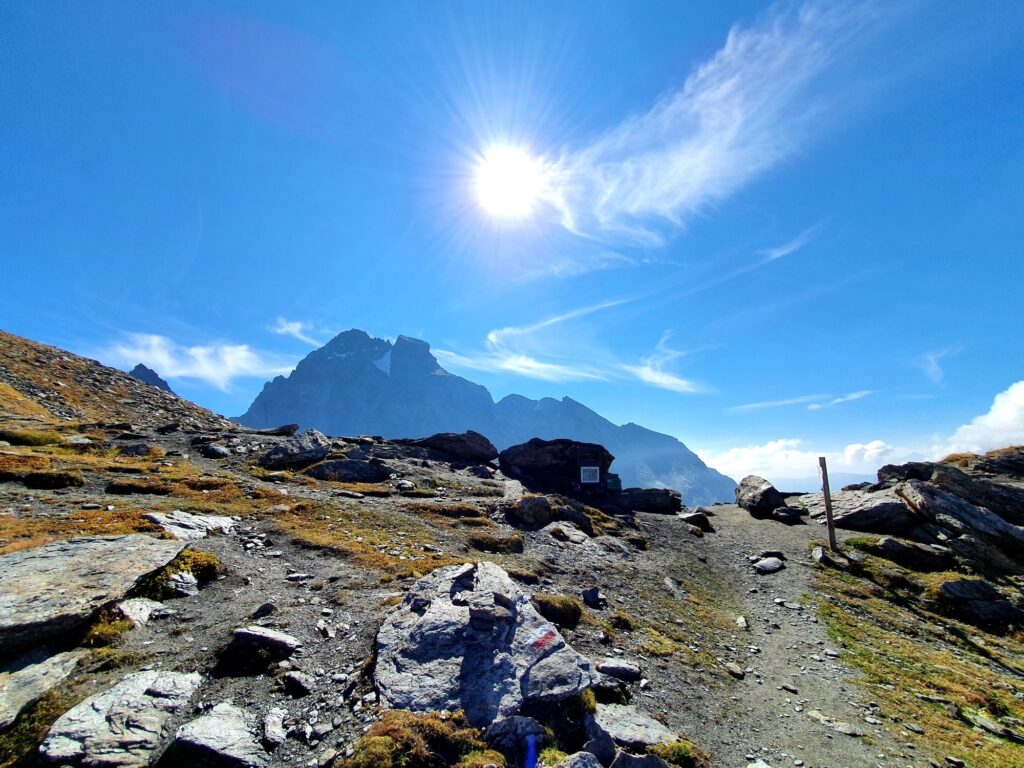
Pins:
<point x="509" y="182"/>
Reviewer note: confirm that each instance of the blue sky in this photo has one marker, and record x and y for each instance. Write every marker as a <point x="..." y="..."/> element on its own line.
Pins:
<point x="772" y="230"/>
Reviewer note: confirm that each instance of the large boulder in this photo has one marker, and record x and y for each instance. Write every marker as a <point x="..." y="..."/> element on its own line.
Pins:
<point x="468" y="447"/>
<point x="466" y="637"/>
<point x="660" y="501"/>
<point x="26" y="680"/>
<point x="626" y="727"/>
<point x="758" y="496"/>
<point x="225" y="737"/>
<point x="553" y="465"/>
<point x="977" y="602"/>
<point x="299" y="451"/>
<point x="1004" y="500"/>
<point x="880" y="512"/>
<point x="50" y="591"/>
<point x="123" y="725"/>
<point x="190" y="527"/>
<point x="351" y="471"/>
<point x="952" y="512"/>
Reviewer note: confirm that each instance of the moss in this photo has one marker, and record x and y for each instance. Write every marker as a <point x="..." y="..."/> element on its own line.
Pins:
<point x="205" y="566"/>
<point x="29" y="437"/>
<point x="51" y="480"/>
<point x="19" y="744"/>
<point x="681" y="754"/>
<point x="481" y="758"/>
<point x="551" y="757"/>
<point x="127" y="487"/>
<point x="563" y="611"/>
<point x="656" y="644"/>
<point x="623" y="621"/>
<point x="486" y="542"/>
<point x="402" y="739"/>
<point x="588" y="701"/>
<point x="105" y="631"/>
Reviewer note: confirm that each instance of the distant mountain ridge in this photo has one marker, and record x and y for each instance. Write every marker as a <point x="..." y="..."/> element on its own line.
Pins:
<point x="357" y="384"/>
<point x="148" y="375"/>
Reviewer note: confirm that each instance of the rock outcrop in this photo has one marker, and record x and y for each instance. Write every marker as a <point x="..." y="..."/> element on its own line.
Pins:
<point x="299" y="451"/>
<point x="26" y="680"/>
<point x="659" y="501"/>
<point x="191" y="527"/>
<point x="225" y="737"/>
<point x="49" y="591"/>
<point x="469" y="447"/>
<point x="466" y="637"/>
<point x="123" y="725"/>
<point x="553" y="466"/>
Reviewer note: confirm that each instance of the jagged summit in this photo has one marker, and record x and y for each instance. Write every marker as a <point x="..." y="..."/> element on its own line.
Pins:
<point x="148" y="375"/>
<point x="358" y="384"/>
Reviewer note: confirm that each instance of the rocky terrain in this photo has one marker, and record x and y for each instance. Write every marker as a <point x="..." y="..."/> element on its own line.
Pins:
<point x="176" y="589"/>
<point x="357" y="384"/>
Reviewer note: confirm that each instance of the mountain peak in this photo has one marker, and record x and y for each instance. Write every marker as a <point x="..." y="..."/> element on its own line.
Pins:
<point x="148" y="375"/>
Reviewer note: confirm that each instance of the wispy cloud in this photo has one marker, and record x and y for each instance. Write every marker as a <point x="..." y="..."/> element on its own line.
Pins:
<point x="296" y="329"/>
<point x="521" y="365"/>
<point x="500" y="336"/>
<point x="652" y="369"/>
<point x="738" y="115"/>
<point x="794" y="245"/>
<point x="841" y="399"/>
<point x="215" y="364"/>
<point x="801" y="400"/>
<point x="930" y="363"/>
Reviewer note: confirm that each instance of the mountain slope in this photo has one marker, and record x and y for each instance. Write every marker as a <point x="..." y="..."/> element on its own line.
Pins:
<point x="357" y="384"/>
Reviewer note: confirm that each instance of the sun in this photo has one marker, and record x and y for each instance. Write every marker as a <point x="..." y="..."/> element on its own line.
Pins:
<point x="510" y="182"/>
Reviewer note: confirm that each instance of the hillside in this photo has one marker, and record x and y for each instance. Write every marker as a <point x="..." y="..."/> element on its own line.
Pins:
<point x="211" y="595"/>
<point x="357" y="384"/>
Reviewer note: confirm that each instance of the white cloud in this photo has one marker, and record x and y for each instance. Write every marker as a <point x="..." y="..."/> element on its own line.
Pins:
<point x="931" y="363"/>
<point x="841" y="399"/>
<point x="1002" y="426"/>
<point x="216" y="364"/>
<point x="651" y="369"/>
<point x="738" y="115"/>
<point x="295" y="329"/>
<point x="520" y="364"/>
<point x="785" y="458"/>
<point x="775" y="403"/>
<point x="794" y="245"/>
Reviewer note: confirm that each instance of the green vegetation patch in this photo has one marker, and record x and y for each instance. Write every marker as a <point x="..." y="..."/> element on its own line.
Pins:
<point x="499" y="544"/>
<point x="681" y="753"/>
<point x="402" y="739"/>
<point x="563" y="611"/>
<point x="205" y="566"/>
<point x="29" y="437"/>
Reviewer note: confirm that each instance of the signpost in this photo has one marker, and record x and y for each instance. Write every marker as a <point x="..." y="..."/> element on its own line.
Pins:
<point x="828" y="505"/>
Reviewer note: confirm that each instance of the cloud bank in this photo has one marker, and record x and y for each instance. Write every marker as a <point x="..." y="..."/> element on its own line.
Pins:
<point x="1001" y="426"/>
<point x="215" y="364"/>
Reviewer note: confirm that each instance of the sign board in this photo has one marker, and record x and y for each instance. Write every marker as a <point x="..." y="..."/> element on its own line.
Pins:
<point x="590" y="475"/>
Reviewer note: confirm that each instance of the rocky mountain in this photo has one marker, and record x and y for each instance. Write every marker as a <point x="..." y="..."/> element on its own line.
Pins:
<point x="357" y="384"/>
<point x="148" y="375"/>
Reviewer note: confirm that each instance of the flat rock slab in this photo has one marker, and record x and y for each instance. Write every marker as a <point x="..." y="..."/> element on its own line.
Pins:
<point x="189" y="527"/>
<point x="466" y="637"/>
<point x="265" y="639"/>
<point x="48" y="591"/>
<point x="878" y="512"/>
<point x="25" y="681"/>
<point x="123" y="725"/>
<point x="224" y="737"/>
<point x="626" y="727"/>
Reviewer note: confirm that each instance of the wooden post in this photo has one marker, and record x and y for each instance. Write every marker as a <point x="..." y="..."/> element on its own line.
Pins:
<point x="828" y="505"/>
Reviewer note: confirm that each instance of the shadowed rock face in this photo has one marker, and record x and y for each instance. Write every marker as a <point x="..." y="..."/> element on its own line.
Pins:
<point x="51" y="590"/>
<point x="151" y="377"/>
<point x="467" y="638"/>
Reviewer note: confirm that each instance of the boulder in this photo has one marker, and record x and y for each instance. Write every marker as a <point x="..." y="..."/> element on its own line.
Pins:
<point x="758" y="496"/>
<point x="191" y="527"/>
<point x="620" y="669"/>
<point x="272" y="641"/>
<point x="531" y="510"/>
<point x="767" y="565"/>
<point x="869" y="512"/>
<point x="1003" y="461"/>
<point x="215" y="451"/>
<point x="580" y="760"/>
<point x="952" y="512"/>
<point x="351" y="471"/>
<point x="977" y="602"/>
<point x="553" y="465"/>
<point x="26" y="680"/>
<point x="222" y="738"/>
<point x="50" y="591"/>
<point x="628" y="760"/>
<point x="1007" y="501"/>
<point x="659" y="501"/>
<point x="913" y="555"/>
<point x="625" y="727"/>
<point x="511" y="736"/>
<point x="893" y="474"/>
<point x="299" y="451"/>
<point x="787" y="516"/>
<point x="699" y="519"/>
<point x="566" y="532"/>
<point x="123" y="725"/>
<point x="466" y="637"/>
<point x="138" y="610"/>
<point x="467" y="448"/>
